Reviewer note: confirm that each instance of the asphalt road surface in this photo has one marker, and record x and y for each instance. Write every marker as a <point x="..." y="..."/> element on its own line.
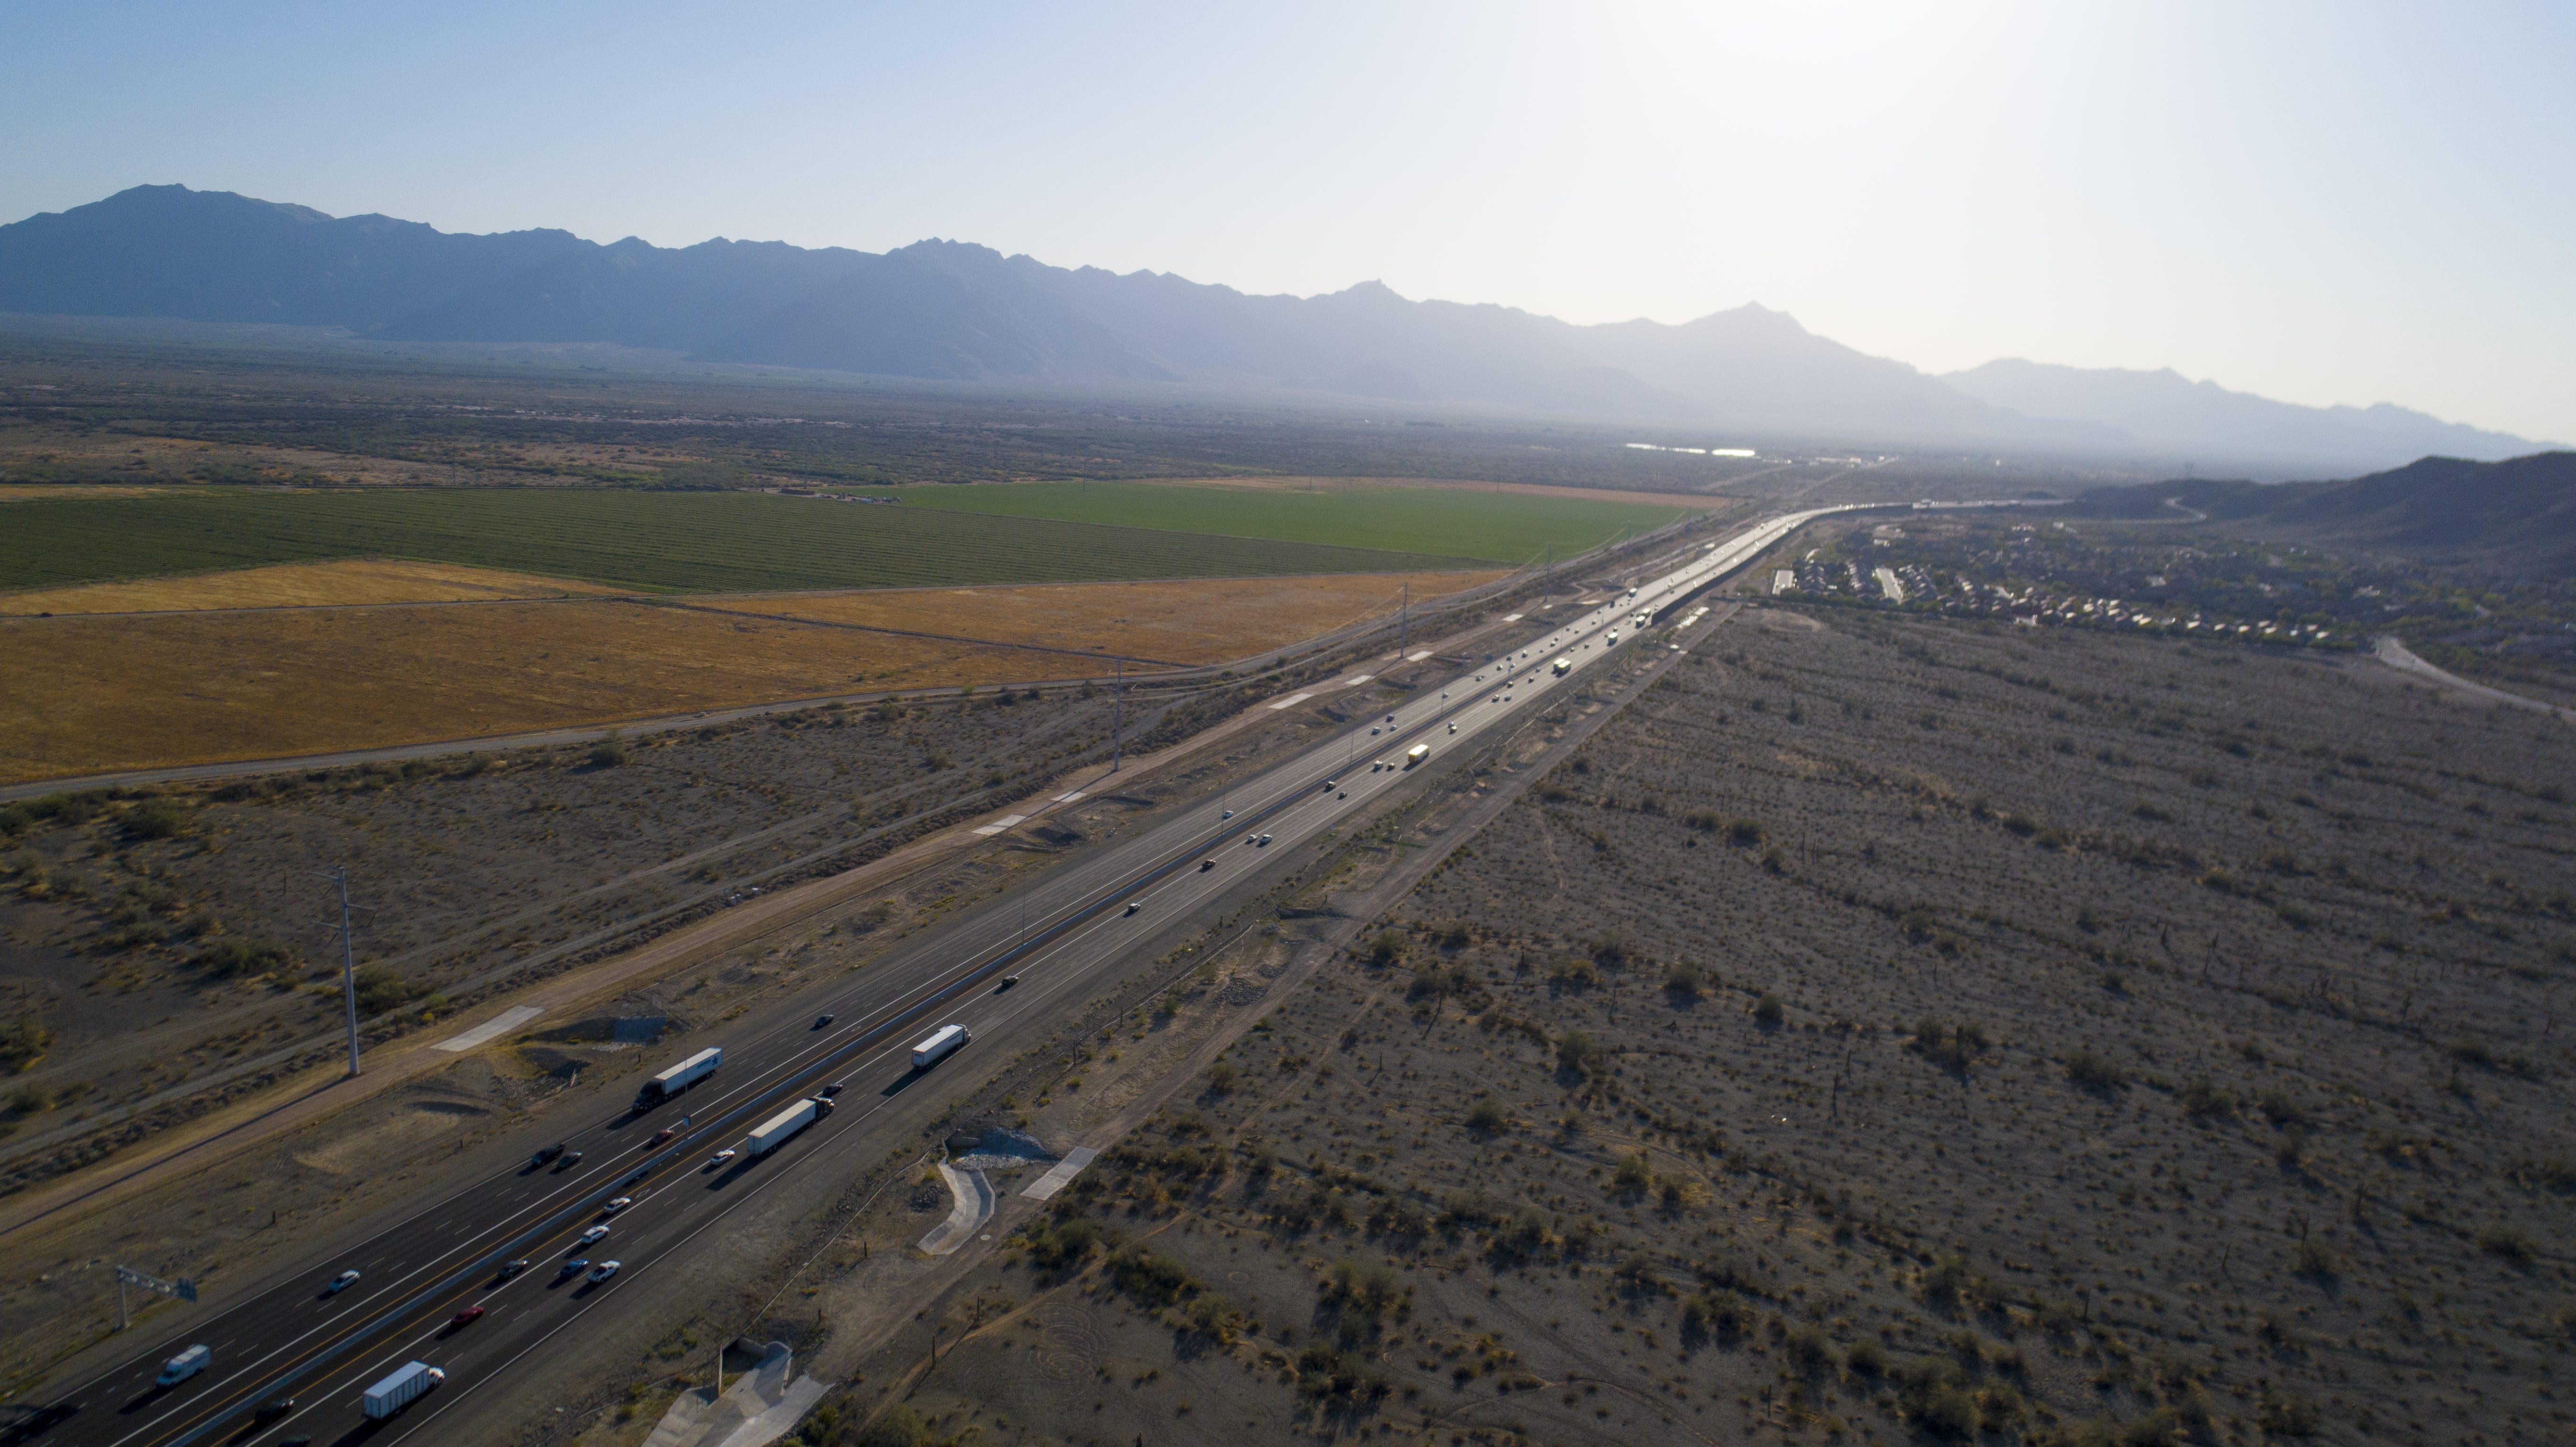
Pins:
<point x="1009" y="971"/>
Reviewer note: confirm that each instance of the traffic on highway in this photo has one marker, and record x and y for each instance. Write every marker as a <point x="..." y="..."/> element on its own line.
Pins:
<point x="481" y="1277"/>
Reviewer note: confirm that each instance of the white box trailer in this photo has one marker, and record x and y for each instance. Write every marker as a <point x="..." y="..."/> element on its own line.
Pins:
<point x="1416" y="754"/>
<point x="679" y="1078"/>
<point x="183" y="1366"/>
<point x="1564" y="665"/>
<point x="399" y="1390"/>
<point x="940" y="1044"/>
<point x="770" y="1134"/>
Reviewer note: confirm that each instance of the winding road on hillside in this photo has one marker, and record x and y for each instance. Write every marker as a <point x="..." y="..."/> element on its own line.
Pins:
<point x="1011" y="971"/>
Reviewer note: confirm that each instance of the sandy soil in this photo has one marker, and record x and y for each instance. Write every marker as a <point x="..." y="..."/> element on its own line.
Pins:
<point x="296" y="585"/>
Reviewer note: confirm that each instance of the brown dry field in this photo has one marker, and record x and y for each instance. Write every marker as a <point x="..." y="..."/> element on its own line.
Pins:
<point x="1193" y="621"/>
<point x="94" y="694"/>
<point x="32" y="491"/>
<point x="296" y="585"/>
<point x="1359" y="484"/>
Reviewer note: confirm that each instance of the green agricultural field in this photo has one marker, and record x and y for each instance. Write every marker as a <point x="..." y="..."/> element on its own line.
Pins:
<point x="1500" y="527"/>
<point x="649" y="541"/>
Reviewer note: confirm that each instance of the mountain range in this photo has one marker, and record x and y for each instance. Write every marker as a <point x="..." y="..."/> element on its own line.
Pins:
<point x="955" y="311"/>
<point x="2516" y="517"/>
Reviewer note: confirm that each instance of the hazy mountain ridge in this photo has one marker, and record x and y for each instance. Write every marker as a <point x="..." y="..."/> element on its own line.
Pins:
<point x="954" y="310"/>
<point x="2163" y="409"/>
<point x="2517" y="516"/>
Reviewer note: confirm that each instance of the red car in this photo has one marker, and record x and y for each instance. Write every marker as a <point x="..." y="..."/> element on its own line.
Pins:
<point x="659" y="1136"/>
<point x="467" y="1317"/>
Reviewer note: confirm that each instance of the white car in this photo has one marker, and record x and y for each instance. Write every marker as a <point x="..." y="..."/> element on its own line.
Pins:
<point x="594" y="1234"/>
<point x="605" y="1270"/>
<point x="341" y="1283"/>
<point x="719" y="1158"/>
<point x="620" y="1204"/>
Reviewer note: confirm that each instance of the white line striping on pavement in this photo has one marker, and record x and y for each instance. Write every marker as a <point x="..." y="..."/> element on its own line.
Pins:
<point x="510" y="1019"/>
<point x="1355" y="680"/>
<point x="1062" y="1174"/>
<point x="1068" y="798"/>
<point x="1292" y="700"/>
<point x="1005" y="822"/>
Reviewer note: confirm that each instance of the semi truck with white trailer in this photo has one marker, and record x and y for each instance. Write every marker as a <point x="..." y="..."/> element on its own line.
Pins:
<point x="772" y="1133"/>
<point x="944" y="1040"/>
<point x="401" y="1389"/>
<point x="679" y="1078"/>
<point x="1416" y="754"/>
<point x="1564" y="666"/>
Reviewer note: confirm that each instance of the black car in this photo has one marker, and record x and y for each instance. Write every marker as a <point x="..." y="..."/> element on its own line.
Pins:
<point x="1007" y="982"/>
<point x="549" y="1153"/>
<point x="512" y="1268"/>
<point x="827" y="1092"/>
<point x="568" y="1160"/>
<point x="271" y="1411"/>
<point x="822" y="1020"/>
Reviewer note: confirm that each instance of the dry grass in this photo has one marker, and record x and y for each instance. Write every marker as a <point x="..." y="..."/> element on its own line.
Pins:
<point x="296" y="585"/>
<point x="1179" y="622"/>
<point x="33" y="491"/>
<point x="92" y="694"/>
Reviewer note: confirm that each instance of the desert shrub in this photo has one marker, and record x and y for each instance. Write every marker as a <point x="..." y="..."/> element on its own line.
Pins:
<point x="1950" y="1047"/>
<point x="1221" y="1077"/>
<point x="1716" y="1316"/>
<point x="2315" y="1260"/>
<point x="242" y="955"/>
<point x="1363" y="1297"/>
<point x="1948" y="1277"/>
<point x="1488" y="1117"/>
<point x="2285" y="1415"/>
<point x="1632" y="1178"/>
<point x="608" y="753"/>
<point x="1386" y="949"/>
<point x="2092" y="1070"/>
<point x="901" y="1426"/>
<point x="1574" y="973"/>
<point x="1866" y="1358"/>
<point x="2202" y="1100"/>
<point x="2508" y="1242"/>
<point x="1575" y="1051"/>
<point x="1744" y="833"/>
<point x="2283" y="1108"/>
<point x="1684" y="981"/>
<point x="1931" y="1391"/>
<point x="1060" y="1243"/>
<point x="1150" y="1277"/>
<point x="154" y="819"/>
<point x="22" y="1043"/>
<point x="1809" y="1351"/>
<point x="380" y="989"/>
<point x="1768" y="1009"/>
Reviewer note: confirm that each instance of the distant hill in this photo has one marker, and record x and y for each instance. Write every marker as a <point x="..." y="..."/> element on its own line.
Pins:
<point x="2164" y="411"/>
<point x="2516" y="517"/>
<point x="956" y="311"/>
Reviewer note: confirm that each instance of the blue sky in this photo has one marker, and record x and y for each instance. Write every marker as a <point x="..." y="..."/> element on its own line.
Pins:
<point x="2351" y="202"/>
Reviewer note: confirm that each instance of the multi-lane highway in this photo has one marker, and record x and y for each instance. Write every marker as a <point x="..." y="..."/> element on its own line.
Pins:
<point x="1010" y="971"/>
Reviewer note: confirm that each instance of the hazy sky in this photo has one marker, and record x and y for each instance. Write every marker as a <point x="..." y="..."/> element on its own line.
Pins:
<point x="2343" y="202"/>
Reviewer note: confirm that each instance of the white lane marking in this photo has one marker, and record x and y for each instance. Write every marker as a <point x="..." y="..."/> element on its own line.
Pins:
<point x="1061" y="1174"/>
<point x="1292" y="700"/>
<point x="510" y="1019"/>
<point x="1005" y="822"/>
<point x="1068" y="798"/>
<point x="1355" y="680"/>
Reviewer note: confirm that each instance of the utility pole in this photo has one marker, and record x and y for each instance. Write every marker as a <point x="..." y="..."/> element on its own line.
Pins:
<point x="339" y="875"/>
<point x="1117" y="711"/>
<point x="1404" y="622"/>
